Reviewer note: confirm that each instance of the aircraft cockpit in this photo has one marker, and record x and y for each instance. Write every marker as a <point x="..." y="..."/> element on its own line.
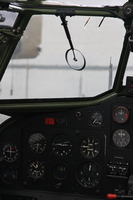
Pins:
<point x="66" y="107"/>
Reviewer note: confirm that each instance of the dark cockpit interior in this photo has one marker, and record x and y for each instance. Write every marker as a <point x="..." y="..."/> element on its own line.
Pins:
<point x="83" y="152"/>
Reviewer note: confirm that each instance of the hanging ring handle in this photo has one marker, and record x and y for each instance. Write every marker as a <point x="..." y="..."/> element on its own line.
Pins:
<point x="75" y="59"/>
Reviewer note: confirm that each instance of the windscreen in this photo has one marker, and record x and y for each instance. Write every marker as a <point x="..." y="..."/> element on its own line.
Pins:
<point x="87" y="2"/>
<point x="43" y="64"/>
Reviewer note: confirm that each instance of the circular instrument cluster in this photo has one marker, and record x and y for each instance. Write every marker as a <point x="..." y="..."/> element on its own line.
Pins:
<point x="88" y="173"/>
<point x="10" y="154"/>
<point x="121" y="137"/>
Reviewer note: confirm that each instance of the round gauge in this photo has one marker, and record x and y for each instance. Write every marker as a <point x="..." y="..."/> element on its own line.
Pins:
<point x="9" y="174"/>
<point x="61" y="145"/>
<point x="10" y="152"/>
<point x="89" y="174"/>
<point x="120" y="189"/>
<point x="121" y="138"/>
<point x="130" y="191"/>
<point x="90" y="147"/>
<point x="37" y="143"/>
<point x="96" y="118"/>
<point x="120" y="114"/>
<point x="36" y="169"/>
<point x="60" y="171"/>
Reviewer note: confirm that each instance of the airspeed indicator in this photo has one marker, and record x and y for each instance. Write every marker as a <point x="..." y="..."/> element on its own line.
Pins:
<point x="37" y="142"/>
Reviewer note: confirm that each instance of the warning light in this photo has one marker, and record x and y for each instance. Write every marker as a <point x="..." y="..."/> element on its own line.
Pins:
<point x="49" y="121"/>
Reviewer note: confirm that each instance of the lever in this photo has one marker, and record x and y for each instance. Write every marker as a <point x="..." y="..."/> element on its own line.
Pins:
<point x="77" y="55"/>
<point x="64" y="23"/>
<point x="114" y="196"/>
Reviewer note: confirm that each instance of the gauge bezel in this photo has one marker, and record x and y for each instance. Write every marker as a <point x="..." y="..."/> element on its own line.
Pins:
<point x="40" y="163"/>
<point x="98" y="147"/>
<point x="120" y="121"/>
<point x="12" y="177"/>
<point x="58" y="151"/>
<point x="130" y="191"/>
<point x="44" y="145"/>
<point x="95" y="121"/>
<point x="5" y="157"/>
<point x="96" y="181"/>
<point x="122" y="145"/>
<point x="64" y="175"/>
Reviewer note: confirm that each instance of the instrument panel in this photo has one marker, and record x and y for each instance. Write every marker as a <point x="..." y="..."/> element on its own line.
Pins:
<point x="85" y="151"/>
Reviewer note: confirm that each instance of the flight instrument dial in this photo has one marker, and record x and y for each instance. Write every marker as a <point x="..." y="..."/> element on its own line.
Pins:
<point x="36" y="169"/>
<point x="90" y="147"/>
<point x="61" y="145"/>
<point x="120" y="114"/>
<point x="10" y="152"/>
<point x="96" y="119"/>
<point x="89" y="174"/>
<point x="37" y="143"/>
<point x="121" y="138"/>
<point x="60" y="171"/>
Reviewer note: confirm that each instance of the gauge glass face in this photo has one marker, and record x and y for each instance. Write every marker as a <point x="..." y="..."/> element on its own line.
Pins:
<point x="61" y="145"/>
<point x="10" y="152"/>
<point x="121" y="138"/>
<point x="130" y="192"/>
<point x="89" y="174"/>
<point x="60" y="171"/>
<point x="96" y="119"/>
<point x="9" y="174"/>
<point x="90" y="147"/>
<point x="120" y="114"/>
<point x="37" y="143"/>
<point x="120" y="189"/>
<point x="36" y="169"/>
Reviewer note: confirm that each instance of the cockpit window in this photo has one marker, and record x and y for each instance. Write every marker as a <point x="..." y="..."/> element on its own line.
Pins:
<point x="88" y="2"/>
<point x="39" y="68"/>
